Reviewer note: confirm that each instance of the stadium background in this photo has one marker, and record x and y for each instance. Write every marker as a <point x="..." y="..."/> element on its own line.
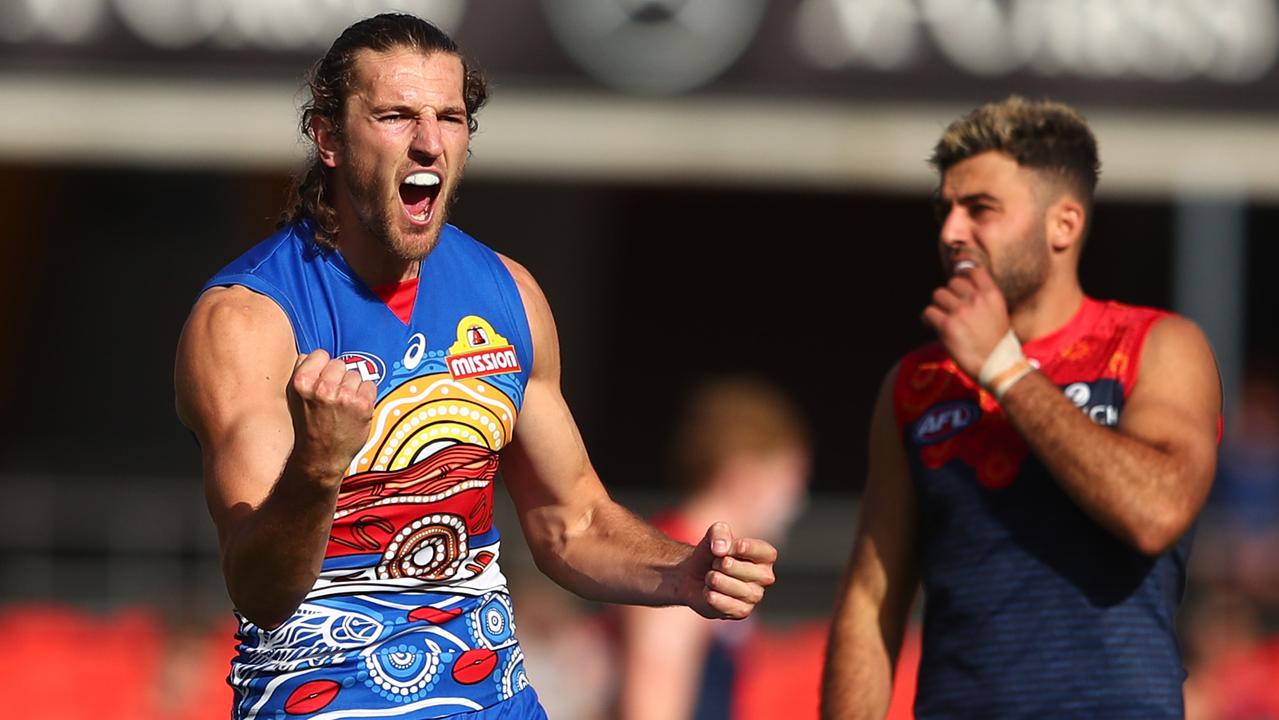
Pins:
<point x="681" y="176"/>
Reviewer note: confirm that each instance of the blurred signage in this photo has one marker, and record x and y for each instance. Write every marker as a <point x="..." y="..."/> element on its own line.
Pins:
<point x="655" y="46"/>
<point x="176" y="25"/>
<point x="1228" y="41"/>
<point x="1188" y="53"/>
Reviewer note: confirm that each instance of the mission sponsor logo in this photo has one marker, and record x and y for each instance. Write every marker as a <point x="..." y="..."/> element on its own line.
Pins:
<point x="488" y="362"/>
<point x="945" y="420"/>
<point x="480" y="351"/>
<point x="370" y="367"/>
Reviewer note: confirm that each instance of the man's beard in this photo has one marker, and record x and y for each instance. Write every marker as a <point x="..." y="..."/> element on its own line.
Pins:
<point x="1024" y="272"/>
<point x="380" y="215"/>
<point x="417" y="243"/>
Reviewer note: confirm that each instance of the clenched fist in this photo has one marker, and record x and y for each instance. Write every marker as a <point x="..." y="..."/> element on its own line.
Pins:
<point x="331" y="408"/>
<point x="733" y="571"/>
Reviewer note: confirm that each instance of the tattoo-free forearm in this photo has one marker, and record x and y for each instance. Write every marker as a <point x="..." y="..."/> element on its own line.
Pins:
<point x="1129" y="486"/>
<point x="273" y="554"/>
<point x="604" y="552"/>
<point x="857" y="678"/>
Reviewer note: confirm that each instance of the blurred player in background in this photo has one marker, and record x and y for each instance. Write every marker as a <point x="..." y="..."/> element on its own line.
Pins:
<point x="352" y="380"/>
<point x="1039" y="467"/>
<point x="741" y="453"/>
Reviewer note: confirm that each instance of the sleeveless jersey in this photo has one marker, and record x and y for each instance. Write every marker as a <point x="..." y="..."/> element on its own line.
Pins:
<point x="410" y="616"/>
<point x="1032" y="609"/>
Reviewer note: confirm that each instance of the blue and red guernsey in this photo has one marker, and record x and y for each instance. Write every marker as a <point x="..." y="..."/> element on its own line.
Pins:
<point x="410" y="616"/>
<point x="1033" y="610"/>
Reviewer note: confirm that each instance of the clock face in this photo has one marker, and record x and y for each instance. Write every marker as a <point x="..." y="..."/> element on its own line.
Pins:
<point x="654" y="46"/>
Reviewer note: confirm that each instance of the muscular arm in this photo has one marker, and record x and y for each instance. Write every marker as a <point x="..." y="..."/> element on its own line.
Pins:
<point x="879" y="585"/>
<point x="1146" y="482"/>
<point x="584" y="540"/>
<point x="272" y="506"/>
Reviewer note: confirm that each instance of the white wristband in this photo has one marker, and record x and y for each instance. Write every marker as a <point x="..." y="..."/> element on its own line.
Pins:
<point x="1004" y="367"/>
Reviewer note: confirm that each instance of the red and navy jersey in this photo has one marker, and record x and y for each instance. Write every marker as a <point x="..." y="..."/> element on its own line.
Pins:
<point x="410" y="616"/>
<point x="1032" y="608"/>
<point x="718" y="685"/>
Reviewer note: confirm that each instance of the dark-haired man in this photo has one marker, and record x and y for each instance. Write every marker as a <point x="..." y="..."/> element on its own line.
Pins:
<point x="352" y="380"/>
<point x="1039" y="467"/>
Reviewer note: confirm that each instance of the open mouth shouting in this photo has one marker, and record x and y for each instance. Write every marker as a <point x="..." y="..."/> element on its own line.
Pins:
<point x="418" y="193"/>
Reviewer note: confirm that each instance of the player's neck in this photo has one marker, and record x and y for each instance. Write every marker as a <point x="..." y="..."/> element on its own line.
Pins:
<point x="1048" y="309"/>
<point x="370" y="260"/>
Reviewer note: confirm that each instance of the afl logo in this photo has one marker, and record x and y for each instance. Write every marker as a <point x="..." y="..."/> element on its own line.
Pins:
<point x="370" y="367"/>
<point x="943" y="421"/>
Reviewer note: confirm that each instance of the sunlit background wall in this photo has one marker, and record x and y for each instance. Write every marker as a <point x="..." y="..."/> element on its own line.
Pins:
<point x="701" y="187"/>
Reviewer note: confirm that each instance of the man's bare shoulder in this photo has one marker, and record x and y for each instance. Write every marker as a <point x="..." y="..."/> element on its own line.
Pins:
<point x="1177" y="333"/>
<point x="229" y="307"/>
<point x="884" y="413"/>
<point x="236" y="344"/>
<point x="235" y="320"/>
<point x="546" y="352"/>
<point x="536" y="306"/>
<point x="523" y="278"/>
<point x="1177" y="345"/>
